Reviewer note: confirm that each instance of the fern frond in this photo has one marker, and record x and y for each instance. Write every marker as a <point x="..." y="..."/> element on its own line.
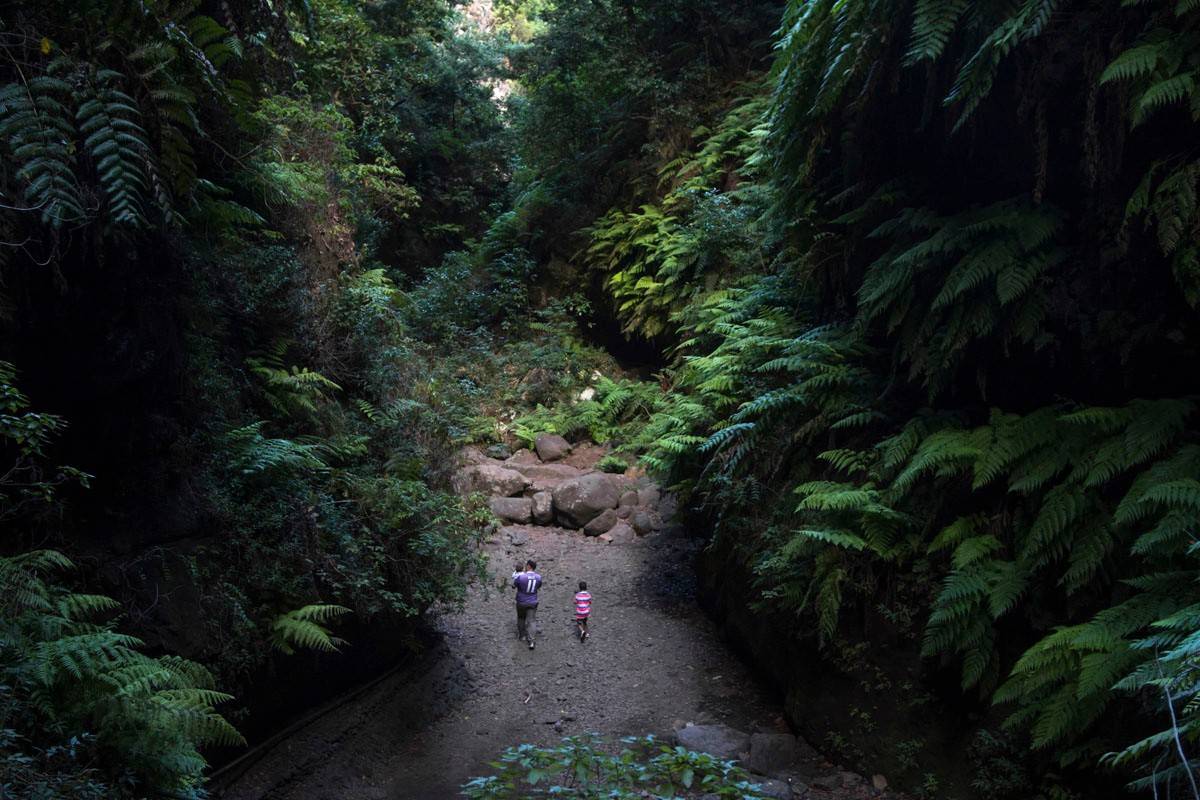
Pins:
<point x="303" y="628"/>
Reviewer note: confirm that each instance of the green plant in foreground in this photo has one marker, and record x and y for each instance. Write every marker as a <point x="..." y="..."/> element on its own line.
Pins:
<point x="69" y="681"/>
<point x="581" y="767"/>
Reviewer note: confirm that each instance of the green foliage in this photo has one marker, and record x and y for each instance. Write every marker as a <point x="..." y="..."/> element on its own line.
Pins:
<point x="302" y="628"/>
<point x="25" y="484"/>
<point x="911" y="357"/>
<point x="114" y="115"/>
<point x="946" y="283"/>
<point x="616" y="411"/>
<point x="84" y="711"/>
<point x="582" y="767"/>
<point x="665" y="255"/>
<point x="290" y="391"/>
<point x="145" y="716"/>
<point x="41" y="132"/>
<point x="612" y="463"/>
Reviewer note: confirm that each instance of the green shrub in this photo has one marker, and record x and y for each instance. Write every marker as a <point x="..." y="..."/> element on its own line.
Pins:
<point x="68" y="676"/>
<point x="582" y="767"/>
<point x="612" y="463"/>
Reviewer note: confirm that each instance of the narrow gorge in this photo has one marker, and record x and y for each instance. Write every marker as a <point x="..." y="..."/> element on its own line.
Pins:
<point x="847" y="351"/>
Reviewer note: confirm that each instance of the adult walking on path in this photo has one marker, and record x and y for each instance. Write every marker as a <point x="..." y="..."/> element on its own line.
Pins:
<point x="527" y="584"/>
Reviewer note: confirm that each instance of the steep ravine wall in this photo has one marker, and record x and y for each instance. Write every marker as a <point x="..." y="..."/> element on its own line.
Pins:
<point x="863" y="702"/>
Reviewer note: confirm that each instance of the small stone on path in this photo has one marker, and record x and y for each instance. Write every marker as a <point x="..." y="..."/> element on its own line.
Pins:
<point x="778" y="790"/>
<point x="721" y="741"/>
<point x="771" y="753"/>
<point x="621" y="533"/>
<point x="642" y="522"/>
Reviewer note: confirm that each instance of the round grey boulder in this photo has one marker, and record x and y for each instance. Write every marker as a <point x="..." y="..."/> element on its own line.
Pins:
<point x="551" y="446"/>
<point x="621" y="533"/>
<point x="512" y="509"/>
<point x="642" y="522"/>
<point x="778" y="790"/>
<point x="578" y="501"/>
<point x="491" y="479"/>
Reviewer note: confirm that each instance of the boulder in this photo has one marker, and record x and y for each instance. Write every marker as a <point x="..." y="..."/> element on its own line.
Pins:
<point x="721" y="741"/>
<point x="471" y="455"/>
<point x="542" y="508"/>
<point x="491" y="479"/>
<point x="602" y="523"/>
<point x="648" y="496"/>
<point x="625" y="512"/>
<point x="545" y="477"/>
<point x="771" y="753"/>
<point x="642" y="522"/>
<point x="604" y="537"/>
<point x="774" y="789"/>
<point x="551" y="446"/>
<point x="620" y="483"/>
<point x="630" y="498"/>
<point x="521" y="457"/>
<point x="512" y="509"/>
<point x="621" y="533"/>
<point x="499" y="451"/>
<point x="578" y="501"/>
<point x="879" y="782"/>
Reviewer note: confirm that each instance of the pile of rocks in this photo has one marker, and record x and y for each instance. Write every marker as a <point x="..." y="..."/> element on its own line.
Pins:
<point x="784" y="766"/>
<point x="557" y="484"/>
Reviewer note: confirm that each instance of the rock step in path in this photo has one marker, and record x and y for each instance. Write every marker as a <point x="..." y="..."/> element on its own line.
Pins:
<point x="654" y="664"/>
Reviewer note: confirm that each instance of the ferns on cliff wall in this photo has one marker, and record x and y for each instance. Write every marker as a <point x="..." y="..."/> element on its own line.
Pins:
<point x="104" y="130"/>
<point x="667" y="253"/>
<point x="958" y="352"/>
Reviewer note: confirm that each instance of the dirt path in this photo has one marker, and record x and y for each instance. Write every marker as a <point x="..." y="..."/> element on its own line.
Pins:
<point x="652" y="659"/>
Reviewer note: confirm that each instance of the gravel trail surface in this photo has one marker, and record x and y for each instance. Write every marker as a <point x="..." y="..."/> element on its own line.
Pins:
<point x="652" y="659"/>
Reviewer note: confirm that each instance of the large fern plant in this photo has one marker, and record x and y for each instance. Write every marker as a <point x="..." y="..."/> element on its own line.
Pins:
<point x="69" y="671"/>
<point x="103" y="130"/>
